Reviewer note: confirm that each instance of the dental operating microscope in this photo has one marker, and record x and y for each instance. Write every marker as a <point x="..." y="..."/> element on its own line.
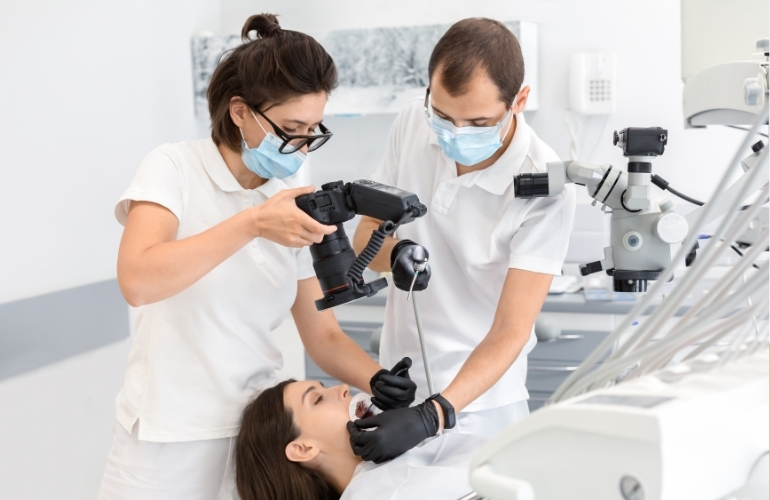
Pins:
<point x="644" y="237"/>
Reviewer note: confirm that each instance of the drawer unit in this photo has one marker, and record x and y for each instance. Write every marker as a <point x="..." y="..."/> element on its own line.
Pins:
<point x="571" y="346"/>
<point x="547" y="376"/>
<point x="550" y="363"/>
<point x="537" y="399"/>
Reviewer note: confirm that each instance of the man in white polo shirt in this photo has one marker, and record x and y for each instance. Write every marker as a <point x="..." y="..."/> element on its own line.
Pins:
<point x="492" y="256"/>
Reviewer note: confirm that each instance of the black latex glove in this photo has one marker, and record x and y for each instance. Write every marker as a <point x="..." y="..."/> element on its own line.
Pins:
<point x="393" y="388"/>
<point x="402" y="264"/>
<point x="397" y="431"/>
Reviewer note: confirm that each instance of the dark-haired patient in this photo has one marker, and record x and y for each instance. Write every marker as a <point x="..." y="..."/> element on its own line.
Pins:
<point x="293" y="444"/>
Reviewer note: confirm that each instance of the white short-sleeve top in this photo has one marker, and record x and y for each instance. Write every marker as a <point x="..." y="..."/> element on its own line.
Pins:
<point x="198" y="357"/>
<point x="475" y="231"/>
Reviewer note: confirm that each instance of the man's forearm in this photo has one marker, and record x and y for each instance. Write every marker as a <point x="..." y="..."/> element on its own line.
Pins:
<point x="520" y="302"/>
<point x="381" y="263"/>
<point x="339" y="356"/>
<point x="485" y="366"/>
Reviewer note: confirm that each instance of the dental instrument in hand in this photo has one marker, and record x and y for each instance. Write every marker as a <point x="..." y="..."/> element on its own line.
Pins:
<point x="420" y="262"/>
<point x="402" y="371"/>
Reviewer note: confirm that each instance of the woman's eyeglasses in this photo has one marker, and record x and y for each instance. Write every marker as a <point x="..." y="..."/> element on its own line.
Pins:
<point x="293" y="143"/>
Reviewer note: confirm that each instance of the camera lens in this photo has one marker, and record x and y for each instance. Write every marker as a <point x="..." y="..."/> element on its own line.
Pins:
<point x="331" y="260"/>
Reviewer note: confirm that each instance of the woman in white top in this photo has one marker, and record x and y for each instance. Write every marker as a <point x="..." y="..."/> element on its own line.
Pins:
<point x="293" y="445"/>
<point x="214" y="257"/>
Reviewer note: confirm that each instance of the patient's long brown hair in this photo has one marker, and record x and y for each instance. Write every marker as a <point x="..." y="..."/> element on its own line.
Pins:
<point x="262" y="471"/>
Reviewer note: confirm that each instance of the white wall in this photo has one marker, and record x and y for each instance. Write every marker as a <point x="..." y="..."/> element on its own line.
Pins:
<point x="88" y="88"/>
<point x="56" y="426"/>
<point x="644" y="33"/>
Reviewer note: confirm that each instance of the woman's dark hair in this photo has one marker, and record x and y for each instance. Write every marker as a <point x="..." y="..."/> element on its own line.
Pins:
<point x="478" y="43"/>
<point x="273" y="68"/>
<point x="262" y="471"/>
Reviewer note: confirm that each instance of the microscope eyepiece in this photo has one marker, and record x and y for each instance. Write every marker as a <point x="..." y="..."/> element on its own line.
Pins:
<point x="530" y="185"/>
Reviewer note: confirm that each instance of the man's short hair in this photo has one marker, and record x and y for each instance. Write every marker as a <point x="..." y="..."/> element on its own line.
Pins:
<point x="478" y="43"/>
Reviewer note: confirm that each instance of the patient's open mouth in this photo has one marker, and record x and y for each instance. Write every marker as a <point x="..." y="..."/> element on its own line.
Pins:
<point x="361" y="407"/>
<point x="363" y="410"/>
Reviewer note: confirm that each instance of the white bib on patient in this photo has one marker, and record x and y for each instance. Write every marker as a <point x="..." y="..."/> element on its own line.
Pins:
<point x="437" y="468"/>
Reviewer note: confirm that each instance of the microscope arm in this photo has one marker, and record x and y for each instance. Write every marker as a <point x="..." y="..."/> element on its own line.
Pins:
<point x="584" y="173"/>
<point x="590" y="175"/>
<point x="568" y="172"/>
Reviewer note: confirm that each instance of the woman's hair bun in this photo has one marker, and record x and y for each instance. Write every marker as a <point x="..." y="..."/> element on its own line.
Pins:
<point x="264" y="24"/>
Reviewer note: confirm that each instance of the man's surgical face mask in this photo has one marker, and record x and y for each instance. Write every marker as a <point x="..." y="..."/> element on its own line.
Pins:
<point x="466" y="145"/>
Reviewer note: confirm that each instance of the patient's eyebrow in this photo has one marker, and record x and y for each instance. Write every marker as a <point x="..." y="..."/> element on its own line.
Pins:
<point x="309" y="389"/>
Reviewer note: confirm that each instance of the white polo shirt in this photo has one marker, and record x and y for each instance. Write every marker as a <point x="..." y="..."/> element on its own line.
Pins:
<point x="475" y="230"/>
<point x="198" y="357"/>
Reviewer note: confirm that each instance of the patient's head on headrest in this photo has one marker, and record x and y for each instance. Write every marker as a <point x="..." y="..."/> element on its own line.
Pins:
<point x="288" y="435"/>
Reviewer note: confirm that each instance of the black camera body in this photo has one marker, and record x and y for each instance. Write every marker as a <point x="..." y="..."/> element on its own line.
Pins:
<point x="328" y="206"/>
<point x="640" y="141"/>
<point x="337" y="202"/>
<point x="337" y="268"/>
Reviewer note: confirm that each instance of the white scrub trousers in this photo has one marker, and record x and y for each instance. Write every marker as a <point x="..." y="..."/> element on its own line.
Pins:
<point x="491" y="422"/>
<point x="193" y="470"/>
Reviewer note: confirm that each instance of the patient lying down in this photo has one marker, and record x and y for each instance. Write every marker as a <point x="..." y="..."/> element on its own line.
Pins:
<point x="293" y="444"/>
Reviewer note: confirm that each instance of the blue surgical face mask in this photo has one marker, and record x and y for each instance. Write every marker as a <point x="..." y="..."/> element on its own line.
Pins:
<point x="468" y="145"/>
<point x="266" y="161"/>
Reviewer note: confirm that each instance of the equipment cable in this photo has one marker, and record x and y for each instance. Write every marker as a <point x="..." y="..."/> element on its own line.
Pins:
<point x="730" y="230"/>
<point x="724" y="284"/>
<point x="735" y="249"/>
<point x="609" y="369"/>
<point x="664" y="185"/>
